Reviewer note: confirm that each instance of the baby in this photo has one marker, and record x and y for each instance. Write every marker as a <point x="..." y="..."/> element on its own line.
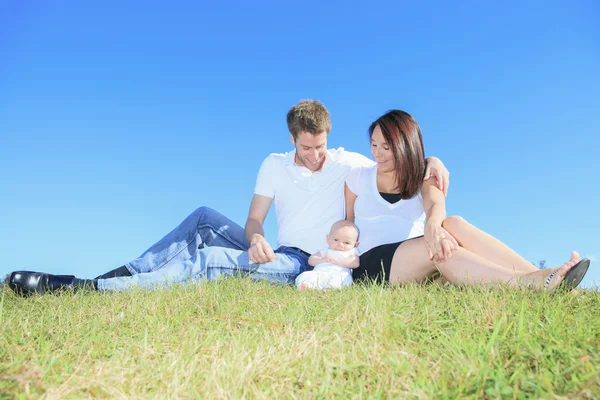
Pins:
<point x="333" y="265"/>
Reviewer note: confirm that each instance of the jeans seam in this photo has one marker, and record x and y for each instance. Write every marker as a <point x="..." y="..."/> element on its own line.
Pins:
<point x="225" y="266"/>
<point x="251" y="270"/>
<point x="200" y="226"/>
<point x="167" y="260"/>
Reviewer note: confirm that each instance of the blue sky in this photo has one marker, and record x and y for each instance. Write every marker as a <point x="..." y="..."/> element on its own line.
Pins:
<point x="117" y="119"/>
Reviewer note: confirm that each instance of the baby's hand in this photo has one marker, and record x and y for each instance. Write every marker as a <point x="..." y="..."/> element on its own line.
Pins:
<point x="335" y="261"/>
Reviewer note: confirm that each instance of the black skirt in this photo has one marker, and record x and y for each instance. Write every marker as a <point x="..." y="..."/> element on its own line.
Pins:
<point x="375" y="264"/>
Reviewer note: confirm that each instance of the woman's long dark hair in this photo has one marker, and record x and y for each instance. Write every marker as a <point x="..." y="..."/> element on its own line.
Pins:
<point x="403" y="136"/>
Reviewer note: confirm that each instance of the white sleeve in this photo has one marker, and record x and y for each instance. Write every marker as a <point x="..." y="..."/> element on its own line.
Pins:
<point x="358" y="160"/>
<point x="265" y="181"/>
<point x="353" y="180"/>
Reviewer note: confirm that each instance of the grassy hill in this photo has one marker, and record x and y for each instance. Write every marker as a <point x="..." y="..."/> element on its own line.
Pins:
<point x="238" y="338"/>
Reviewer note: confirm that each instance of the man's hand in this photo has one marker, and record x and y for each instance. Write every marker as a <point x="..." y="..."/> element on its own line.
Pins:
<point x="435" y="167"/>
<point x="260" y="252"/>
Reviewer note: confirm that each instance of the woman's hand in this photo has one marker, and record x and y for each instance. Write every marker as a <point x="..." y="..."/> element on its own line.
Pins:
<point x="439" y="242"/>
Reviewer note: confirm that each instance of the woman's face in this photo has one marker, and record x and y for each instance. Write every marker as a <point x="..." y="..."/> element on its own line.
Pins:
<point x="381" y="151"/>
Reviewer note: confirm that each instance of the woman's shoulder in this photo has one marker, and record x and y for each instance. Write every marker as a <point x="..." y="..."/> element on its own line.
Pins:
<point x="358" y="178"/>
<point x="362" y="170"/>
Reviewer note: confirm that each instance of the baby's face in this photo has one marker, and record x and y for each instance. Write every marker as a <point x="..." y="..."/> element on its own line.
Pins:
<point x="342" y="239"/>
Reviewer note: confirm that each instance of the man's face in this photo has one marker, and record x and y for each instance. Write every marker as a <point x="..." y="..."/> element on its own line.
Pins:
<point x="310" y="150"/>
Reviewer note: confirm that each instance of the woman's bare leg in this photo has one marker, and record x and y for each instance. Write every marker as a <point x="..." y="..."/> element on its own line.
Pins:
<point x="470" y="269"/>
<point x="485" y="245"/>
<point x="411" y="264"/>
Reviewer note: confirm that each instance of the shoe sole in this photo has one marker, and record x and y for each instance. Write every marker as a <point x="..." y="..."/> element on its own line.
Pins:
<point x="575" y="275"/>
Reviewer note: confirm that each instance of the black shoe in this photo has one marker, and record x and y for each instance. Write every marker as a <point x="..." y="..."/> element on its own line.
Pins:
<point x="121" y="271"/>
<point x="27" y="283"/>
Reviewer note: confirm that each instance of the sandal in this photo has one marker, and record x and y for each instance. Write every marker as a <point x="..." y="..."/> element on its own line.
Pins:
<point x="573" y="277"/>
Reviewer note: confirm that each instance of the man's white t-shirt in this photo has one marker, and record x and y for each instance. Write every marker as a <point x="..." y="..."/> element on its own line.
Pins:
<point x="307" y="203"/>
<point x="380" y="222"/>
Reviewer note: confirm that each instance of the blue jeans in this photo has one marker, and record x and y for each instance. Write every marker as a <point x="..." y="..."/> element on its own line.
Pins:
<point x="205" y="246"/>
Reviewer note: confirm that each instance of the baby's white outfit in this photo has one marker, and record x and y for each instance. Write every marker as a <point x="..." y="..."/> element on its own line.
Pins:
<point x="328" y="275"/>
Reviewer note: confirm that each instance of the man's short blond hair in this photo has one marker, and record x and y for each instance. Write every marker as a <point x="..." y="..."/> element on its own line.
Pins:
<point x="308" y="116"/>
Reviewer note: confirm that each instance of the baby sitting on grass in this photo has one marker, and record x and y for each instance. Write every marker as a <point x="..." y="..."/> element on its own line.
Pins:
<point x="333" y="265"/>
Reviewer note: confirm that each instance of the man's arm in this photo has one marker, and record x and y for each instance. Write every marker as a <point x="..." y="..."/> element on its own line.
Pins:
<point x="435" y="167"/>
<point x="260" y="251"/>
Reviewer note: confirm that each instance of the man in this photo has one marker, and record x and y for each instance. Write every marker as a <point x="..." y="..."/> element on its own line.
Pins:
<point x="307" y="185"/>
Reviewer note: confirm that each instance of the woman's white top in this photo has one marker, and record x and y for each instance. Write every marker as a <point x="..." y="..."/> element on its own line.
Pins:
<point x="378" y="221"/>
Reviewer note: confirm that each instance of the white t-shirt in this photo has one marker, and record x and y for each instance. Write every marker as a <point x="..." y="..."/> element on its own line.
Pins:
<point x="307" y="203"/>
<point x="378" y="221"/>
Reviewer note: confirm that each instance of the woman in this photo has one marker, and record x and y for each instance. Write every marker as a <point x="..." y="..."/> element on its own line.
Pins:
<point x="390" y="203"/>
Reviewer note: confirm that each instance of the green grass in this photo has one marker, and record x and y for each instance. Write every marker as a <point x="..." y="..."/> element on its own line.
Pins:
<point x="238" y="338"/>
